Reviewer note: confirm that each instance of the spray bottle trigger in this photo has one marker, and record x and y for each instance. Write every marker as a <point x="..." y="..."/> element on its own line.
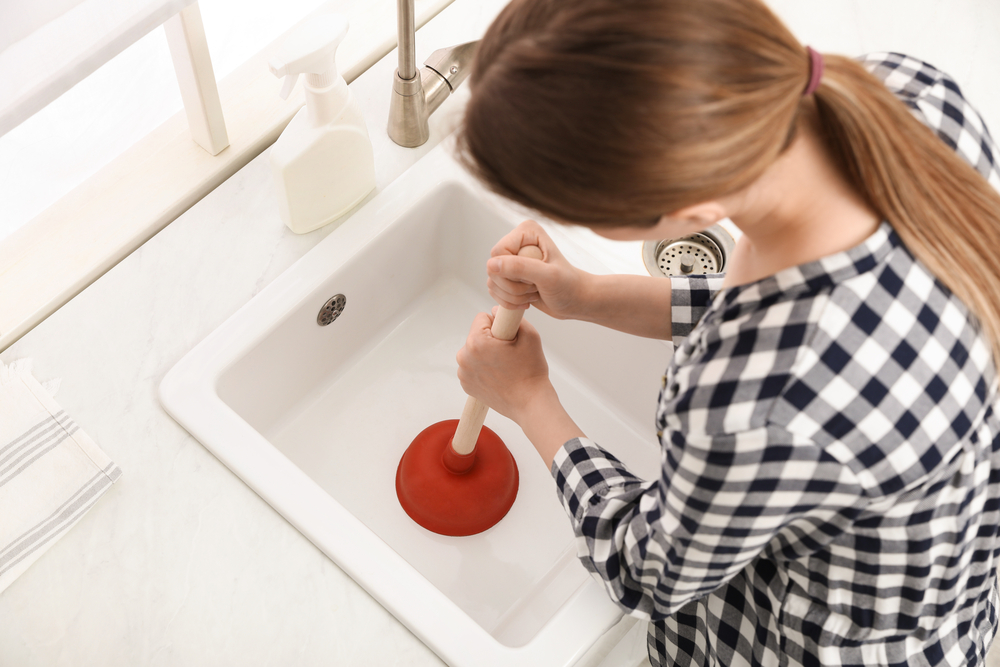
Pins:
<point x="287" y="85"/>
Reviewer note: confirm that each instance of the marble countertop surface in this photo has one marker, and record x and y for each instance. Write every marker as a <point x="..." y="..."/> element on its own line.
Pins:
<point x="181" y="563"/>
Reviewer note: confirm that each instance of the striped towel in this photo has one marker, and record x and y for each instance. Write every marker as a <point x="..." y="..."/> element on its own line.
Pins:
<point x="51" y="472"/>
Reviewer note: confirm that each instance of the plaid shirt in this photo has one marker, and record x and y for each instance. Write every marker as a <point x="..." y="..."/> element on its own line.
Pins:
<point x="830" y="490"/>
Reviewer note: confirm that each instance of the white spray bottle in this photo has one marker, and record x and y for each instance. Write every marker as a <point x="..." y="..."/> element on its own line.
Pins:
<point x="323" y="161"/>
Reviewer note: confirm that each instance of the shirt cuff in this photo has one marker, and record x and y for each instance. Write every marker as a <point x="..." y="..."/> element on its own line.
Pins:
<point x="584" y="473"/>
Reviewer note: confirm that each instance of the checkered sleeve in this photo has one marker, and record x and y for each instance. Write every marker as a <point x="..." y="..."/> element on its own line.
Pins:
<point x="720" y="501"/>
<point x="937" y="101"/>
<point x="690" y="297"/>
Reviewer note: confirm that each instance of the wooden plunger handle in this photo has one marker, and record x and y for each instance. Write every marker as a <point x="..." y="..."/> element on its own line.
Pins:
<point x="505" y="326"/>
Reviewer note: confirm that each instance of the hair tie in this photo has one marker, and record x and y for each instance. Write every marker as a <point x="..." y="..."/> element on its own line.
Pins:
<point x="815" y="71"/>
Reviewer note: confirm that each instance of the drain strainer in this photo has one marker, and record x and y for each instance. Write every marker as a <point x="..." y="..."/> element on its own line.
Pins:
<point x="331" y="310"/>
<point x="699" y="253"/>
<point x="692" y="254"/>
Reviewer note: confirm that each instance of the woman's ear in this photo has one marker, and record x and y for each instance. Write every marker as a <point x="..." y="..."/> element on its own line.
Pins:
<point x="682" y="222"/>
<point x="696" y="217"/>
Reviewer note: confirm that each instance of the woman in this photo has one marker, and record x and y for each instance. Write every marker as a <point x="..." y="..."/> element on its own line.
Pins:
<point x="830" y="488"/>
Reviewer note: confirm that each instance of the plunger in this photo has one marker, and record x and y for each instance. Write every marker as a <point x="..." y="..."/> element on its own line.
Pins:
<point x="457" y="477"/>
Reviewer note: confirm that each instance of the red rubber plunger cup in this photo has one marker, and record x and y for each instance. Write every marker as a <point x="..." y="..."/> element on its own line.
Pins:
<point x="457" y="477"/>
<point x="456" y="503"/>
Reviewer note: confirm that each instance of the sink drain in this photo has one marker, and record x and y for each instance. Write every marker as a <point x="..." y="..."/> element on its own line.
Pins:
<point x="331" y="310"/>
<point x="700" y="253"/>
<point x="696" y="253"/>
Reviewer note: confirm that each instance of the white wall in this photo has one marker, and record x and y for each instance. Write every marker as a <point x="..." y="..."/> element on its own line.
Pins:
<point x="960" y="37"/>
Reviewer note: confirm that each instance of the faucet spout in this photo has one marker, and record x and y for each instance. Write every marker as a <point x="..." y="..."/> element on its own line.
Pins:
<point x="454" y="62"/>
<point x="416" y="94"/>
<point x="451" y="65"/>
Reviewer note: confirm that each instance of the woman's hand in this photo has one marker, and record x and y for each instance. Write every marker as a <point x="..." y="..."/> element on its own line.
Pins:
<point x="638" y="305"/>
<point x="512" y="377"/>
<point x="551" y="284"/>
<point x="504" y="374"/>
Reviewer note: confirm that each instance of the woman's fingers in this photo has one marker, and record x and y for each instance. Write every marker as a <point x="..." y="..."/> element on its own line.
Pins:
<point x="551" y="284"/>
<point x="511" y="302"/>
<point x="511" y="280"/>
<point x="528" y="232"/>
<point x="507" y="294"/>
<point x="518" y="276"/>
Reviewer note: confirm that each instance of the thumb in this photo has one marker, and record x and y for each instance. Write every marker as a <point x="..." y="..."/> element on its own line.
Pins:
<point x="481" y="323"/>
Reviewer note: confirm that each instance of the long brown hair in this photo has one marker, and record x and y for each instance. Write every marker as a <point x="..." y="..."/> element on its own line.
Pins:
<point x="615" y="112"/>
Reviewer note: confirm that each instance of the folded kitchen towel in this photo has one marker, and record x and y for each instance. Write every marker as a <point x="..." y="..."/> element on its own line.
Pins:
<point x="51" y="472"/>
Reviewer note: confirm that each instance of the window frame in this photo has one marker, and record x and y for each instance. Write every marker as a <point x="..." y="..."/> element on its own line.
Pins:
<point x="85" y="233"/>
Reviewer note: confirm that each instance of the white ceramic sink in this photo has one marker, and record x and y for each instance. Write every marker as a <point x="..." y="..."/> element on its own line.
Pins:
<point x="315" y="418"/>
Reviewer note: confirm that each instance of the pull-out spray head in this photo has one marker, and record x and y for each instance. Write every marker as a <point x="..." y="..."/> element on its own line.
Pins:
<point x="310" y="50"/>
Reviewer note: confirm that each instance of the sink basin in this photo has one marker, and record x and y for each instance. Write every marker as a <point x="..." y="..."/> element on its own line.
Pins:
<point x="315" y="418"/>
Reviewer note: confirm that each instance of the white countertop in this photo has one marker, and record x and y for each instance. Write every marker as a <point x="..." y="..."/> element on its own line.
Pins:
<point x="181" y="563"/>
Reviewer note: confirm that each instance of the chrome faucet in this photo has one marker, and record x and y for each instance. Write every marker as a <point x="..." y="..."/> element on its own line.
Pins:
<point x="417" y="94"/>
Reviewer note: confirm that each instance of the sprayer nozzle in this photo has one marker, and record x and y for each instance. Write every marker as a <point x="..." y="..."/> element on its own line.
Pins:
<point x="310" y="50"/>
<point x="288" y="85"/>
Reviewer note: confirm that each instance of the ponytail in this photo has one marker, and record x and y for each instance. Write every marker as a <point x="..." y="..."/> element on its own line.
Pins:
<point x="945" y="212"/>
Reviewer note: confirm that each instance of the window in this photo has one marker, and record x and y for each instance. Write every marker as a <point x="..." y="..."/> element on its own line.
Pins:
<point x="99" y="171"/>
<point x="83" y="130"/>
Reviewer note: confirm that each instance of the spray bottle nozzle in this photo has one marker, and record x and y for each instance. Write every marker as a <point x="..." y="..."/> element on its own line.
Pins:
<point x="289" y="79"/>
<point x="311" y="49"/>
